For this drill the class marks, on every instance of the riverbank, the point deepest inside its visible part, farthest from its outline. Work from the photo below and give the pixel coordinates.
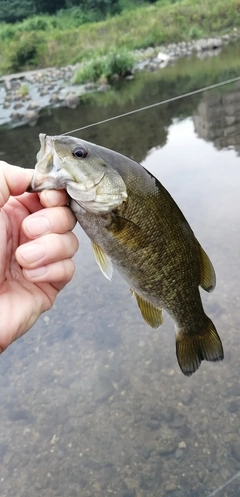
(24, 95)
(43, 41)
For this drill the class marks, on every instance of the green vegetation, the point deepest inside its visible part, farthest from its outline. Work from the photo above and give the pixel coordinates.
(117, 63)
(26, 51)
(24, 90)
(73, 35)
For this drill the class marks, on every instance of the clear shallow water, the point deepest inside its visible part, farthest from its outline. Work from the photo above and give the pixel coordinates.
(92, 400)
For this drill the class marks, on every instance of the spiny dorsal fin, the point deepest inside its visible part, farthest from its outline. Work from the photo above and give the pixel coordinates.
(103, 261)
(191, 349)
(208, 277)
(152, 315)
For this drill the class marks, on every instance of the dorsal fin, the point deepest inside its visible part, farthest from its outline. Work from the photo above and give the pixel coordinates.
(208, 276)
(103, 261)
(151, 314)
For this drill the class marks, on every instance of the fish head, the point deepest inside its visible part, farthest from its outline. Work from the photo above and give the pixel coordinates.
(66, 162)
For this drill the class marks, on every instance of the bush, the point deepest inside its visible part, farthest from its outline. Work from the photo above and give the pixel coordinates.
(116, 62)
(7, 31)
(91, 71)
(25, 51)
(119, 62)
(36, 23)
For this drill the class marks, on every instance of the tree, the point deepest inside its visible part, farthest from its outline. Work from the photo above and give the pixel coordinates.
(101, 6)
(16, 10)
(49, 6)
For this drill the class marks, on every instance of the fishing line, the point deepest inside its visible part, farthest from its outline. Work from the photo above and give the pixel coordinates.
(168, 100)
(224, 485)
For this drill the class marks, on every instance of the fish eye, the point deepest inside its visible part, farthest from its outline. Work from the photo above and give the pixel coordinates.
(79, 152)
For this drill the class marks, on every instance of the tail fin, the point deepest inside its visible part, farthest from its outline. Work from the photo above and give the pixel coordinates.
(192, 349)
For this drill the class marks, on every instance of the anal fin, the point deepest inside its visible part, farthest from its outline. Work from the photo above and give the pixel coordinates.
(103, 261)
(151, 314)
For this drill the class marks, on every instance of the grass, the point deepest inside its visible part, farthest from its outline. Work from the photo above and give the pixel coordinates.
(117, 63)
(24, 90)
(60, 41)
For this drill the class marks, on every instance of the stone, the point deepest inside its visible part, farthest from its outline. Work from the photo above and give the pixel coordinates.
(187, 398)
(178, 453)
(90, 86)
(32, 105)
(31, 117)
(104, 87)
(20, 415)
(18, 105)
(166, 446)
(178, 421)
(129, 493)
(72, 100)
(208, 44)
(54, 98)
(153, 424)
(235, 450)
(94, 464)
(170, 487)
(145, 481)
(148, 449)
(233, 406)
(182, 445)
(103, 389)
(16, 116)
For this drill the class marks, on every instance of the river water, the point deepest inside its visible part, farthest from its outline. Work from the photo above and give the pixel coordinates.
(92, 400)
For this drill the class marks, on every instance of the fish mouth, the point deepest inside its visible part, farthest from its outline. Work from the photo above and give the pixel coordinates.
(50, 174)
(40, 183)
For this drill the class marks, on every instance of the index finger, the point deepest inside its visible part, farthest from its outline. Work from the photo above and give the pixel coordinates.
(14, 181)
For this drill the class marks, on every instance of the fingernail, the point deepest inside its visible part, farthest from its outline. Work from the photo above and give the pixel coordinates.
(32, 253)
(35, 273)
(37, 225)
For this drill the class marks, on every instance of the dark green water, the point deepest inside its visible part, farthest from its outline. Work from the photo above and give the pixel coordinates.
(92, 400)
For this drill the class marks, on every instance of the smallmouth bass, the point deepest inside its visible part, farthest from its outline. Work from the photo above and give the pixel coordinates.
(134, 223)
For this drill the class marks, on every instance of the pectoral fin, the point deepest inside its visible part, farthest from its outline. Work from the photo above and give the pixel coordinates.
(208, 277)
(103, 261)
(152, 315)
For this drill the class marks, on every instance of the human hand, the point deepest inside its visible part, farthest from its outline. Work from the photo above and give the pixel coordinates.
(36, 247)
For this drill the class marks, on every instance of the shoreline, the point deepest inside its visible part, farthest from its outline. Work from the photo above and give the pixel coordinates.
(23, 95)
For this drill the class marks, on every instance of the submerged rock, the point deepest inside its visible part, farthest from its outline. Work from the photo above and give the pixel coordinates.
(103, 389)
(31, 117)
(72, 100)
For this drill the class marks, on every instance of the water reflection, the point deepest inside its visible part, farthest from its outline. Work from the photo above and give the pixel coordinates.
(92, 400)
(217, 118)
